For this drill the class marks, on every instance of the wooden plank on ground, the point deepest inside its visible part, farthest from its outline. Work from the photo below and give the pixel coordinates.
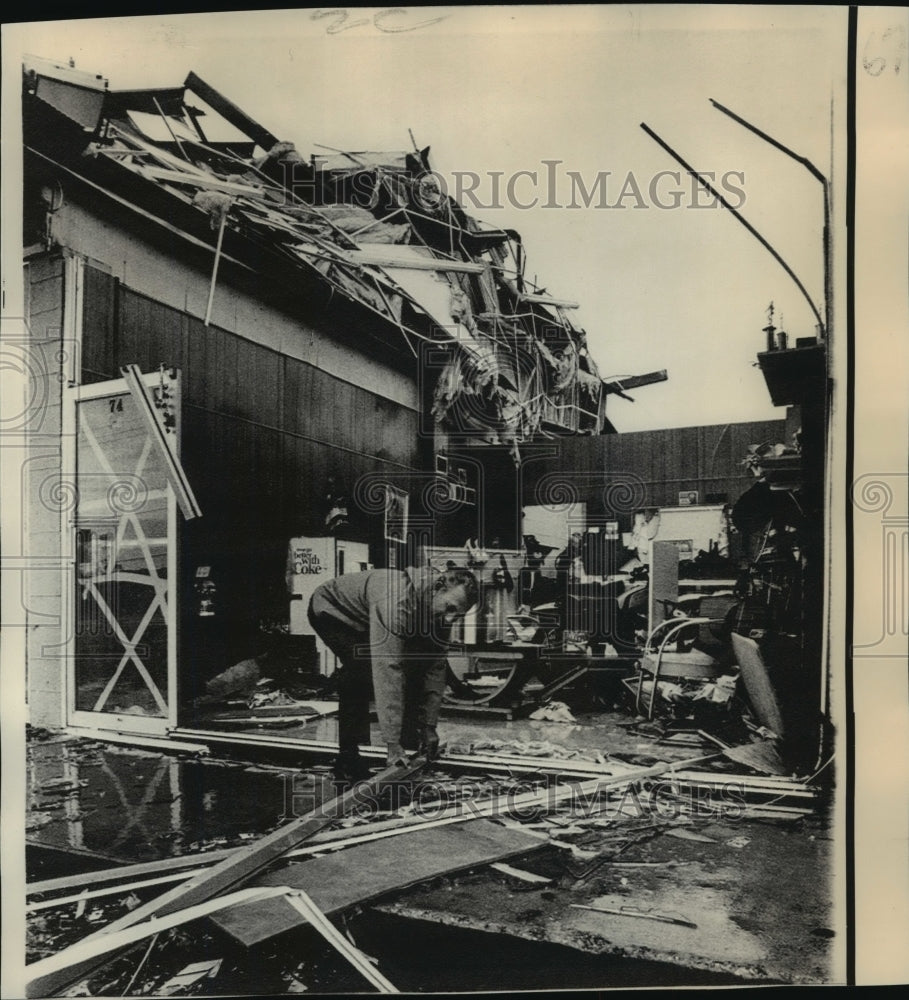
(363, 873)
(94, 949)
(310, 913)
(627, 772)
(236, 869)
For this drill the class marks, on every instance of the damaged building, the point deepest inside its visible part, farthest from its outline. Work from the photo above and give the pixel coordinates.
(252, 371)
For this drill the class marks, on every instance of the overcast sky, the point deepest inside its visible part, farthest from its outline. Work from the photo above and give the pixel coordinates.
(503, 89)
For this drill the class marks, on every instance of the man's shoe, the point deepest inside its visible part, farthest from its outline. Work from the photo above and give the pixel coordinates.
(349, 768)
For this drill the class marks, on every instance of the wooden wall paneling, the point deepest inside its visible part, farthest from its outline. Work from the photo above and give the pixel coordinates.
(269, 474)
(334, 413)
(127, 312)
(244, 361)
(365, 422)
(45, 290)
(387, 431)
(99, 319)
(296, 391)
(171, 338)
(197, 355)
(338, 413)
(272, 385)
(307, 377)
(317, 421)
(135, 345)
(258, 381)
(660, 468)
(231, 371)
(347, 415)
(666, 461)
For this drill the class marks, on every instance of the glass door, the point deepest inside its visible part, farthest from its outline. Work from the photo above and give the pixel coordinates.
(122, 651)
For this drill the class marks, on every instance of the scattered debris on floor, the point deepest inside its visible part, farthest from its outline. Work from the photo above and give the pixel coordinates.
(570, 836)
(555, 711)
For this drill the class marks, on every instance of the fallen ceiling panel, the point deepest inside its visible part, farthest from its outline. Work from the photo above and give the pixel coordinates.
(362, 873)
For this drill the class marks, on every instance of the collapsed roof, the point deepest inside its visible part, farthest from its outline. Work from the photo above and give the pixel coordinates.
(374, 227)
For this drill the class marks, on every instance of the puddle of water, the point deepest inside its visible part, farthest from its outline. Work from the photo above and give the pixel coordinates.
(137, 806)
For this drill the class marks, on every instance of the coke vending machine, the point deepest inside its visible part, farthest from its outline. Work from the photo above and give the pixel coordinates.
(310, 562)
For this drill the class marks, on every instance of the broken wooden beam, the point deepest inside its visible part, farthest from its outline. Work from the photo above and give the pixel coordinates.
(126, 876)
(207, 182)
(307, 909)
(520, 874)
(619, 385)
(336, 839)
(378, 258)
(546, 300)
(91, 950)
(237, 868)
(230, 112)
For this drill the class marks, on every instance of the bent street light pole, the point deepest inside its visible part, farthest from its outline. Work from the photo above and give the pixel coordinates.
(813, 170)
(741, 219)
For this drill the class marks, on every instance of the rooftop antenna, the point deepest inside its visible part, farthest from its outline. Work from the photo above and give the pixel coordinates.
(770, 329)
(741, 218)
(818, 176)
(416, 148)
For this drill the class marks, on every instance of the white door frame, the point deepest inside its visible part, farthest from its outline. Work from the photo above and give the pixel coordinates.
(138, 724)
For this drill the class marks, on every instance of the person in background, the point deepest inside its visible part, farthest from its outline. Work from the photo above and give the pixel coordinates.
(389, 630)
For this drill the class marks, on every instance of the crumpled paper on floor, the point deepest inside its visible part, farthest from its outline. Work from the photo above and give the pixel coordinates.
(555, 711)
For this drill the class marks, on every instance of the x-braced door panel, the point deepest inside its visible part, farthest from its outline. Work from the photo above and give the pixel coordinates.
(122, 669)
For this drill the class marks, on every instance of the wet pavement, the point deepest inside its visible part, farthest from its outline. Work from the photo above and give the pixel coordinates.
(759, 893)
(749, 901)
(130, 805)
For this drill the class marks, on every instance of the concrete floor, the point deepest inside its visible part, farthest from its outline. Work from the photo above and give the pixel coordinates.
(759, 892)
(761, 910)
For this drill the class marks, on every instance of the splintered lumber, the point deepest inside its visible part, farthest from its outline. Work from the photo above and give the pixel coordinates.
(611, 768)
(237, 868)
(206, 181)
(520, 874)
(130, 877)
(377, 867)
(366, 872)
(756, 784)
(546, 300)
(95, 947)
(230, 112)
(120, 889)
(635, 381)
(307, 909)
(329, 839)
(627, 911)
(125, 873)
(367, 255)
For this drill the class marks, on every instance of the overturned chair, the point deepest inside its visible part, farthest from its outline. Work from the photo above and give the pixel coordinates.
(660, 661)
